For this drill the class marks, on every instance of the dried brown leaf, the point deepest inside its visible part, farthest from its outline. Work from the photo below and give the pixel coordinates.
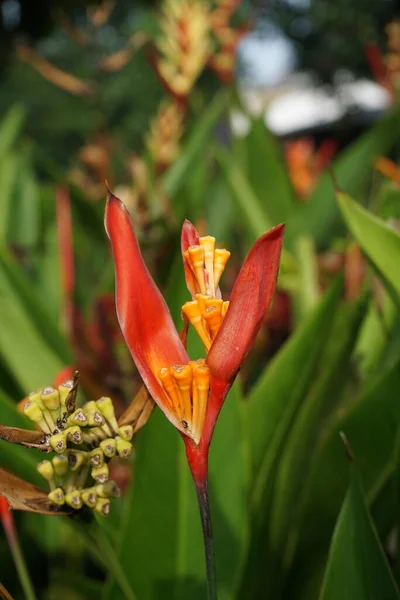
(70, 400)
(139, 411)
(22, 495)
(24, 437)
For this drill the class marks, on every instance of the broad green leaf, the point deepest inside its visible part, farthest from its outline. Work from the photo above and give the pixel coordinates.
(243, 194)
(25, 216)
(375, 334)
(10, 126)
(380, 242)
(8, 176)
(267, 173)
(274, 401)
(249, 205)
(357, 568)
(371, 424)
(16, 284)
(294, 461)
(319, 216)
(23, 344)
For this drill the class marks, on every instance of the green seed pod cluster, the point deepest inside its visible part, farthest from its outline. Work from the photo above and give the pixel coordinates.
(84, 441)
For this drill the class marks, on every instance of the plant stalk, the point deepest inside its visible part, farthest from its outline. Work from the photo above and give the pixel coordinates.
(20, 564)
(205, 516)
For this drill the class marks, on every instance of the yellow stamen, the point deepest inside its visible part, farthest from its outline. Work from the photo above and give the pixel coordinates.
(201, 385)
(208, 243)
(191, 310)
(183, 378)
(171, 389)
(196, 258)
(221, 257)
(212, 315)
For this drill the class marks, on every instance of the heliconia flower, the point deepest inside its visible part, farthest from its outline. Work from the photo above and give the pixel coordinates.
(191, 393)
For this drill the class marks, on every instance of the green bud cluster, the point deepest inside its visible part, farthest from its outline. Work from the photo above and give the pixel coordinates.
(83, 441)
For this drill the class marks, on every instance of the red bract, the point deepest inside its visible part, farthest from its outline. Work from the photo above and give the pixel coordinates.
(191, 393)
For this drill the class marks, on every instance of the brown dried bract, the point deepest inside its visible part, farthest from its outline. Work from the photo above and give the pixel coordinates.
(139, 411)
(24, 437)
(22, 495)
(70, 401)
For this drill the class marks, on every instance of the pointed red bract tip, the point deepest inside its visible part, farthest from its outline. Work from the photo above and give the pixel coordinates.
(143, 316)
(189, 237)
(250, 300)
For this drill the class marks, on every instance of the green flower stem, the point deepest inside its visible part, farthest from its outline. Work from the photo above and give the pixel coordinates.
(205, 515)
(20, 563)
(106, 553)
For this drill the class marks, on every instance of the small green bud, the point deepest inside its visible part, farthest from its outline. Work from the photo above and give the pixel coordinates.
(74, 434)
(36, 397)
(109, 447)
(51, 398)
(58, 442)
(89, 497)
(102, 507)
(124, 448)
(76, 458)
(96, 457)
(46, 470)
(107, 409)
(60, 464)
(100, 474)
(93, 415)
(73, 499)
(33, 412)
(57, 496)
(108, 490)
(126, 432)
(78, 417)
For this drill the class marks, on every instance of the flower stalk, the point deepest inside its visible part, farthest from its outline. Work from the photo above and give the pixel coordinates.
(13, 542)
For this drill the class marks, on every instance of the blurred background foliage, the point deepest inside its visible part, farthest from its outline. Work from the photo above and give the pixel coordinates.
(166, 103)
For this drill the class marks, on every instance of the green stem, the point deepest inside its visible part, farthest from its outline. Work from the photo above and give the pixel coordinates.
(20, 565)
(110, 559)
(205, 515)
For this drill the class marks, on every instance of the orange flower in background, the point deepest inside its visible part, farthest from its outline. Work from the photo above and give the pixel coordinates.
(305, 163)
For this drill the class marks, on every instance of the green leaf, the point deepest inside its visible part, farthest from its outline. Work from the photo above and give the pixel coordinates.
(8, 175)
(23, 344)
(174, 178)
(379, 242)
(16, 284)
(357, 568)
(281, 389)
(319, 216)
(371, 423)
(243, 194)
(267, 173)
(325, 393)
(10, 127)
